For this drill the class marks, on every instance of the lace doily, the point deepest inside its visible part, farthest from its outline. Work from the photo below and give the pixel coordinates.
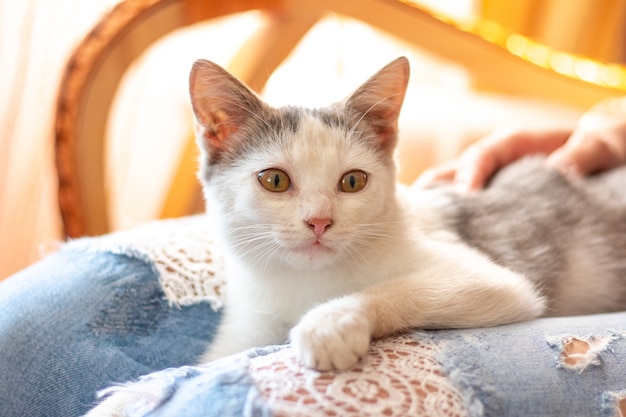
(399, 377)
(188, 261)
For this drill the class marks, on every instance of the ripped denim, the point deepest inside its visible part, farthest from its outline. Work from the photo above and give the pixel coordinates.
(80, 321)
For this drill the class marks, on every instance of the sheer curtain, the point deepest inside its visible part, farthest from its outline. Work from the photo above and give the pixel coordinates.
(36, 38)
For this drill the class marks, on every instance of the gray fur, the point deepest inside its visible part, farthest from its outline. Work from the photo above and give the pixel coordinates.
(534, 220)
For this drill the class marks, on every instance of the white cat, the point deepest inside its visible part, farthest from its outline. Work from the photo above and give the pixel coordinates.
(324, 248)
(327, 251)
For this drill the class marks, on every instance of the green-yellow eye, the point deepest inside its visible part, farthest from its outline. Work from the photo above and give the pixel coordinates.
(353, 181)
(274, 180)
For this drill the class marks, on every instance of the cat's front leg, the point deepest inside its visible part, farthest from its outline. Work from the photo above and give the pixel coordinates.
(456, 288)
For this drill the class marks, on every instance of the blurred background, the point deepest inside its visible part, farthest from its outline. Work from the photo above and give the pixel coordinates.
(455, 96)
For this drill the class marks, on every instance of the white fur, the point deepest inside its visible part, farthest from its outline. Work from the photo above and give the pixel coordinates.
(380, 270)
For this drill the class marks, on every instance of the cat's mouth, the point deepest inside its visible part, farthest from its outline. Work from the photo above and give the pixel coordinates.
(313, 248)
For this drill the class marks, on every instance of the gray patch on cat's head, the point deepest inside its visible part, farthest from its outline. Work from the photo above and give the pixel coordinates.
(267, 127)
(330, 117)
(356, 129)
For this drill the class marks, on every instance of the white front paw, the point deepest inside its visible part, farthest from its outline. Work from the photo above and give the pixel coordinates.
(334, 335)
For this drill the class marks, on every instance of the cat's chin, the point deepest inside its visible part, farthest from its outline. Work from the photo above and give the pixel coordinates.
(313, 256)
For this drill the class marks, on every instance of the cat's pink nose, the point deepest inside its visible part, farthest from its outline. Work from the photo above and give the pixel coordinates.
(319, 226)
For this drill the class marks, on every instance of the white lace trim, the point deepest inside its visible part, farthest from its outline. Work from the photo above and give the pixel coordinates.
(189, 263)
(399, 377)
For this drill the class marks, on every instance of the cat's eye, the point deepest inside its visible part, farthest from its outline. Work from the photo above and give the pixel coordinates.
(274, 180)
(353, 181)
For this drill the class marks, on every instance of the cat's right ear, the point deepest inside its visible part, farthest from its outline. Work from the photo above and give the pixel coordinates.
(379, 100)
(221, 103)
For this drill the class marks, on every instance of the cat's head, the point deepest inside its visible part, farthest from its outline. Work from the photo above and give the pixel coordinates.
(300, 187)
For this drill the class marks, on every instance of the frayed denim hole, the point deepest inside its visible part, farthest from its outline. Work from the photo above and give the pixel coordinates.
(134, 307)
(577, 353)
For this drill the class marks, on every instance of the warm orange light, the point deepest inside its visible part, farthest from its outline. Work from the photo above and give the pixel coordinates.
(571, 65)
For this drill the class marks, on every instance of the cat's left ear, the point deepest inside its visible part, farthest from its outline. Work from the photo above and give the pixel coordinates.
(379, 100)
(221, 103)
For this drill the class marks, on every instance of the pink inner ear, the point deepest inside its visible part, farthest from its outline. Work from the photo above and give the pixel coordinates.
(217, 137)
(218, 129)
(388, 135)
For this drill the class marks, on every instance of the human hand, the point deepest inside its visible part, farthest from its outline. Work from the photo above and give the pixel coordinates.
(482, 159)
(597, 143)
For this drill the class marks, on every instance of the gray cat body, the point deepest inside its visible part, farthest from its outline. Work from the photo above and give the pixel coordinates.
(565, 234)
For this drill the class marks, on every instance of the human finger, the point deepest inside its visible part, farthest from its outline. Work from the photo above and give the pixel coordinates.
(589, 152)
(481, 160)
